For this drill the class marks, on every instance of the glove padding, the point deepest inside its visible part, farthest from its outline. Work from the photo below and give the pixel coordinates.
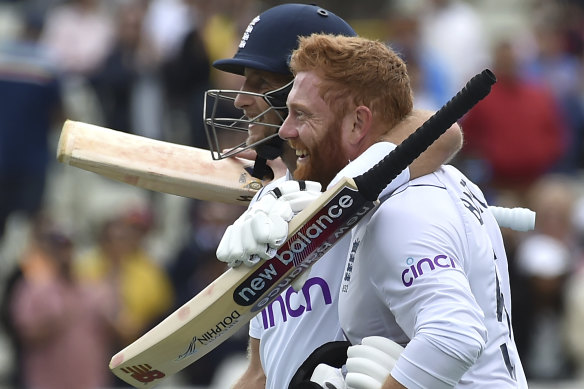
(328, 377)
(298, 194)
(263, 228)
(369, 363)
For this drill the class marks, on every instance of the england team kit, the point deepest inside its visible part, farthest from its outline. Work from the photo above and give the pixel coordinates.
(428, 270)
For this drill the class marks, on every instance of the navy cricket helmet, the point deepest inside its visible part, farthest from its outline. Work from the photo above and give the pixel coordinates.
(270, 37)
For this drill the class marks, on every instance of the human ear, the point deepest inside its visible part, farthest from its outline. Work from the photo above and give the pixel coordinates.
(361, 118)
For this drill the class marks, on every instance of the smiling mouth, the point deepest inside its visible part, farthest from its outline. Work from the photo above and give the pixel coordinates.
(254, 125)
(301, 154)
(256, 131)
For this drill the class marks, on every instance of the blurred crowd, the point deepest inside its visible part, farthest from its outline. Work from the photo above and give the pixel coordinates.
(87, 265)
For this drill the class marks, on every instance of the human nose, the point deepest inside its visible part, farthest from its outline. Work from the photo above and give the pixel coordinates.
(287, 129)
(242, 100)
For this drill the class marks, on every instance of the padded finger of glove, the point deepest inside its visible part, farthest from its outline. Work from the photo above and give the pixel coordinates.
(386, 345)
(298, 194)
(361, 381)
(265, 231)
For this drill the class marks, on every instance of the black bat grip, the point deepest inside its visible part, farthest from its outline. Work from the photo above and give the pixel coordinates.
(372, 182)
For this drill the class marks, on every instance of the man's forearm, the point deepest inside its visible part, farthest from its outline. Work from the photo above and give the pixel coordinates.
(439, 153)
(254, 376)
(391, 383)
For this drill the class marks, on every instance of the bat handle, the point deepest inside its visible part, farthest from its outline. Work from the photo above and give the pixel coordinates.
(373, 181)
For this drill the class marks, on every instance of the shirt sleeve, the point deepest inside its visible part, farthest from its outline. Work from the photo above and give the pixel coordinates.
(255, 327)
(426, 366)
(418, 269)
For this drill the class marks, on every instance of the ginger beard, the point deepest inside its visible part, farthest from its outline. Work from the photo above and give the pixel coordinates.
(325, 159)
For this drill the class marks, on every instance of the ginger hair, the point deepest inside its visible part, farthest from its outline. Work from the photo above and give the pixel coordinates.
(357, 71)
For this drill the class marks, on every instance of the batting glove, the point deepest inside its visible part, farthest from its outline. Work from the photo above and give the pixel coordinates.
(327, 377)
(518, 219)
(298, 194)
(263, 228)
(369, 363)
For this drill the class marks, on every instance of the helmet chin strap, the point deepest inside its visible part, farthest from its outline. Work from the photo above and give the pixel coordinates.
(271, 150)
(261, 170)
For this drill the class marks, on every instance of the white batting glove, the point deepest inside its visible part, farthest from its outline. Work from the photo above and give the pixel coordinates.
(298, 193)
(328, 377)
(299, 198)
(253, 235)
(369, 363)
(263, 228)
(518, 219)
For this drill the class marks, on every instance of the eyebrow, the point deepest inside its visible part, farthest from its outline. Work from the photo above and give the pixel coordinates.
(296, 105)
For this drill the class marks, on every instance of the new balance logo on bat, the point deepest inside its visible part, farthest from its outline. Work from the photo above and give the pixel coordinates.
(143, 373)
(302, 249)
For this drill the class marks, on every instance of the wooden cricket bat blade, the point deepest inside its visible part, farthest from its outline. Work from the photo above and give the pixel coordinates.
(233, 299)
(157, 165)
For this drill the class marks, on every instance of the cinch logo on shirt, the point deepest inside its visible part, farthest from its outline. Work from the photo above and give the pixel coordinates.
(285, 306)
(416, 270)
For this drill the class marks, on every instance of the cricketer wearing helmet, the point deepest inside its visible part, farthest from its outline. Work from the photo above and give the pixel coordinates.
(284, 334)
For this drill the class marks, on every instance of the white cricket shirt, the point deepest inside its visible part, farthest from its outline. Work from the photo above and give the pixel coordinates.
(428, 269)
(296, 323)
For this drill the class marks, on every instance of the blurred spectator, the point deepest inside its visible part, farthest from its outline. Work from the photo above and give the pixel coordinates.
(11, 278)
(186, 77)
(196, 265)
(574, 301)
(63, 327)
(130, 57)
(120, 259)
(31, 105)
(166, 24)
(194, 268)
(544, 261)
(574, 309)
(224, 22)
(516, 133)
(562, 72)
(453, 31)
(79, 34)
(428, 75)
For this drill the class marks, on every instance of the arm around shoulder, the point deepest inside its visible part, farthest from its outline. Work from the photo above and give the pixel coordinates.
(439, 153)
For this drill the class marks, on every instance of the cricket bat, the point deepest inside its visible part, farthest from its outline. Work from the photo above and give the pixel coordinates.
(157, 165)
(232, 300)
